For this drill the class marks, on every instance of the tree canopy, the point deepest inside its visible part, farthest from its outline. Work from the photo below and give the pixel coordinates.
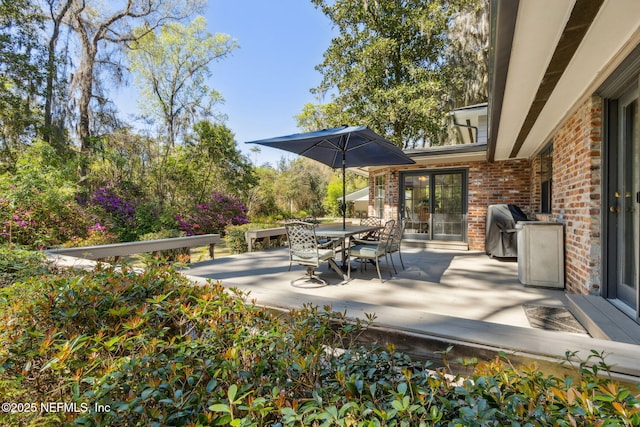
(390, 68)
(171, 66)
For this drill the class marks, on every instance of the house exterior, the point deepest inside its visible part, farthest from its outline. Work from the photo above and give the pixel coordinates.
(562, 143)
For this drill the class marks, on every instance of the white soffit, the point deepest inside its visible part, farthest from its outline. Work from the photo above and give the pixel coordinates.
(538, 28)
(612, 29)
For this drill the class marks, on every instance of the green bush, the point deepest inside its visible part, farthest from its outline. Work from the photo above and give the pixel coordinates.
(17, 264)
(152, 349)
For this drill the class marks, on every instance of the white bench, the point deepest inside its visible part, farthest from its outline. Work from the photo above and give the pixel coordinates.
(130, 248)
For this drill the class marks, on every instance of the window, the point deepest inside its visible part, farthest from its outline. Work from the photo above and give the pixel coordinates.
(378, 196)
(546, 179)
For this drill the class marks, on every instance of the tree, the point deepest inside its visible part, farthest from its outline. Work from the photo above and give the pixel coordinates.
(388, 66)
(317, 116)
(171, 67)
(102, 27)
(57, 13)
(468, 55)
(334, 190)
(217, 161)
(20, 77)
(301, 186)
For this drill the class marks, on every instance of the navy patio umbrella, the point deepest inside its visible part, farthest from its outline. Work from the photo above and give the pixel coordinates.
(344, 147)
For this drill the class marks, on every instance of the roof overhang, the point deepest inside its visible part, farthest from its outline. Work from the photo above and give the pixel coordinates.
(446, 154)
(546, 56)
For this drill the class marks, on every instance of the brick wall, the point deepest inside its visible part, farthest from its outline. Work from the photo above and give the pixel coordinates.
(495, 183)
(577, 195)
(576, 190)
(489, 183)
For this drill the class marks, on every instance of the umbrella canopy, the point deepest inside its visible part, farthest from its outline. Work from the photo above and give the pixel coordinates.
(343, 147)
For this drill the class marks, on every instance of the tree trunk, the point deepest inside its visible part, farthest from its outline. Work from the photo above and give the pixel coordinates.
(52, 71)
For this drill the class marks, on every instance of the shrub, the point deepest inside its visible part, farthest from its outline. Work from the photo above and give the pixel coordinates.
(213, 216)
(152, 349)
(97, 235)
(18, 264)
(41, 224)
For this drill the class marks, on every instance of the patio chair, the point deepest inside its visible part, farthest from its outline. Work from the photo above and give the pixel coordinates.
(371, 236)
(396, 242)
(305, 251)
(373, 251)
(416, 223)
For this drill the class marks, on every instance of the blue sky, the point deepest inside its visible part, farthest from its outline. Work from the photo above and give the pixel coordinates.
(266, 81)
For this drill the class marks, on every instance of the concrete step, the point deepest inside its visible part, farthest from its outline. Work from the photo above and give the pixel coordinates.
(602, 319)
(437, 244)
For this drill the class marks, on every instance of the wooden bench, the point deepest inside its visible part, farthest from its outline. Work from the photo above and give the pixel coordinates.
(130, 248)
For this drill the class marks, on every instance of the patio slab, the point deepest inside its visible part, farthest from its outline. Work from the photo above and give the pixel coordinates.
(467, 285)
(444, 297)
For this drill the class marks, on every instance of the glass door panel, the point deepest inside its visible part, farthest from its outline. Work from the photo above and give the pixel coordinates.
(416, 206)
(448, 210)
(434, 205)
(626, 209)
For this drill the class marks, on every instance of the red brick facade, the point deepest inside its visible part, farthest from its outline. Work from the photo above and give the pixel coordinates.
(576, 200)
(577, 194)
(489, 183)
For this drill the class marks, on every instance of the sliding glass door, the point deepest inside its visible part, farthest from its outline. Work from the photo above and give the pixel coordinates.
(624, 196)
(434, 205)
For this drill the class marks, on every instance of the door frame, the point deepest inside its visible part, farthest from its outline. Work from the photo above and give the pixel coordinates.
(610, 185)
(432, 173)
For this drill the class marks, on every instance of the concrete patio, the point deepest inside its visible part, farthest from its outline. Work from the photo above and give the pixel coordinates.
(442, 297)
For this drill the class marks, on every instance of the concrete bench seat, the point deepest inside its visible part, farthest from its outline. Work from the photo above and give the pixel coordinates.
(251, 236)
(266, 234)
(130, 248)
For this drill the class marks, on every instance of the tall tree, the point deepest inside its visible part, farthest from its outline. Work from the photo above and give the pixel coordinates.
(58, 10)
(388, 67)
(468, 55)
(171, 66)
(20, 76)
(112, 26)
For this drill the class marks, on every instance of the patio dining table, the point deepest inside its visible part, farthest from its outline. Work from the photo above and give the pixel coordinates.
(344, 234)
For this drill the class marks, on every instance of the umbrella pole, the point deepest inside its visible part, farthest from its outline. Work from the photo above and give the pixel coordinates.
(344, 191)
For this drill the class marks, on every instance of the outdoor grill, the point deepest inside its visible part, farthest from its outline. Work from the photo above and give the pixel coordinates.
(501, 240)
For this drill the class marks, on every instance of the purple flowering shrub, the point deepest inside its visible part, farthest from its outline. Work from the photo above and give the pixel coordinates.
(213, 215)
(124, 209)
(121, 211)
(97, 234)
(41, 225)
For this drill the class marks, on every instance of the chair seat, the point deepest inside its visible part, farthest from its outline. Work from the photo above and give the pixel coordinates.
(366, 251)
(311, 258)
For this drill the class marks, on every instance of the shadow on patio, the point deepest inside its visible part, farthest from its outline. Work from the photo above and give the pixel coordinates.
(442, 298)
(467, 285)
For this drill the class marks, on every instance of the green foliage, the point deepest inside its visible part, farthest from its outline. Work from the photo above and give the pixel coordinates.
(215, 157)
(152, 349)
(97, 235)
(334, 191)
(263, 198)
(301, 186)
(171, 66)
(389, 68)
(21, 77)
(17, 264)
(37, 206)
